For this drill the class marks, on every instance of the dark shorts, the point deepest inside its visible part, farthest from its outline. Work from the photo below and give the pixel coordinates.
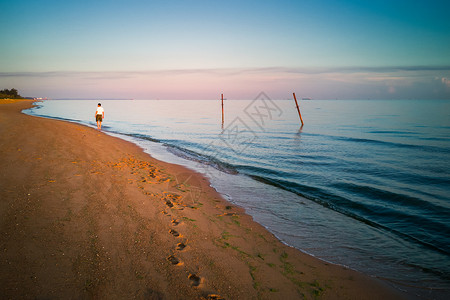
(98, 118)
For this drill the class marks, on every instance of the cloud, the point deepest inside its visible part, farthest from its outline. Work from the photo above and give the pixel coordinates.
(239, 83)
(349, 70)
(231, 71)
(77, 74)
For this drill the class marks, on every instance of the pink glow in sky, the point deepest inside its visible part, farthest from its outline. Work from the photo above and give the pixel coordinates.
(279, 83)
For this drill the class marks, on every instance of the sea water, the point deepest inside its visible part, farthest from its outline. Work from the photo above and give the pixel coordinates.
(364, 183)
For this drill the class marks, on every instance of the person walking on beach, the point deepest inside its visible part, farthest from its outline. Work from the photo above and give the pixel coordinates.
(99, 116)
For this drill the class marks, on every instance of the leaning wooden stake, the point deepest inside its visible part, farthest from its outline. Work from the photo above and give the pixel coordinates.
(298, 109)
(222, 109)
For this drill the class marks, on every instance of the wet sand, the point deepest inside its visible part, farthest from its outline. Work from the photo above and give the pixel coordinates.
(87, 215)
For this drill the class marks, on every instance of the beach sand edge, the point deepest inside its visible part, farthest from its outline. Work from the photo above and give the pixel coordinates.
(87, 215)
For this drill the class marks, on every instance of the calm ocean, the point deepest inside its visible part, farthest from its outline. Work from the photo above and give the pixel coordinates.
(364, 184)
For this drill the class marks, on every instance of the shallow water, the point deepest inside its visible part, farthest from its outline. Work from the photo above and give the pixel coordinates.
(362, 183)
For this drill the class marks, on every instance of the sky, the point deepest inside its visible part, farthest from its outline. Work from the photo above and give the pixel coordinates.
(142, 49)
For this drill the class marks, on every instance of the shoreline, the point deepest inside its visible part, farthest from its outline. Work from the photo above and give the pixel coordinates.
(91, 215)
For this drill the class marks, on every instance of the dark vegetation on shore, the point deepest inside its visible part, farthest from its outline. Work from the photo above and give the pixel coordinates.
(10, 94)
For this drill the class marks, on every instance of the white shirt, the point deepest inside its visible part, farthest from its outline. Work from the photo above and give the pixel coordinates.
(100, 110)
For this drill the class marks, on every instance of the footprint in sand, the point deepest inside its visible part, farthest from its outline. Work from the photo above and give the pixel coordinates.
(214, 297)
(173, 260)
(181, 246)
(175, 222)
(174, 233)
(195, 280)
(169, 203)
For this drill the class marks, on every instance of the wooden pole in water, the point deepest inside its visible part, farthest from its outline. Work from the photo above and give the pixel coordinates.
(298, 109)
(222, 109)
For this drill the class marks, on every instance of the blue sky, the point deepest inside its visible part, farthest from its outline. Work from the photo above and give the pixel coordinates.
(199, 49)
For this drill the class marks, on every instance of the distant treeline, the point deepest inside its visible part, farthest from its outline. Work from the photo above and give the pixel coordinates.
(10, 94)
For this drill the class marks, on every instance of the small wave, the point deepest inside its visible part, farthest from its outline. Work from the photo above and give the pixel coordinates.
(349, 208)
(141, 136)
(402, 201)
(427, 148)
(384, 143)
(394, 132)
(191, 155)
(58, 118)
(201, 158)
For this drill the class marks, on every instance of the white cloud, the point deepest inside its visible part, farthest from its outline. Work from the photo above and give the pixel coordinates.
(239, 83)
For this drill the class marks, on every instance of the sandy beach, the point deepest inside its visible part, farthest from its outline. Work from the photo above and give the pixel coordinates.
(87, 215)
